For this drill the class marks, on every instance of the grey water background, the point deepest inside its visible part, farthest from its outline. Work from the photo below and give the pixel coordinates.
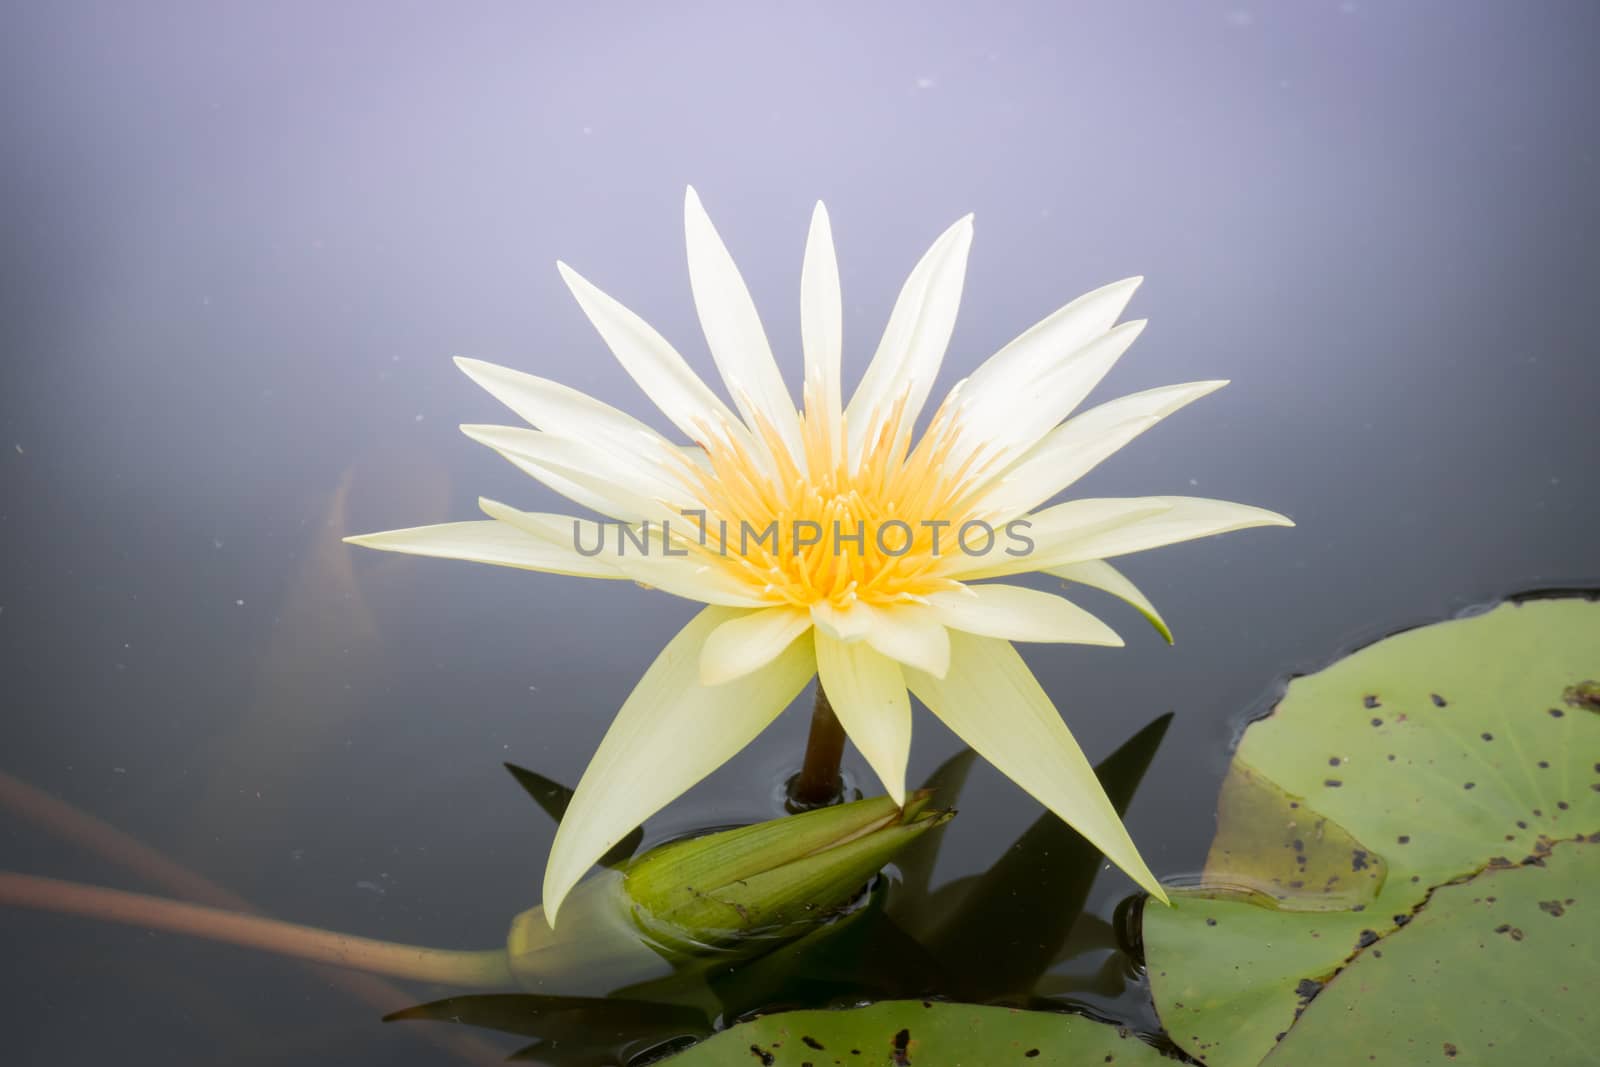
(241, 242)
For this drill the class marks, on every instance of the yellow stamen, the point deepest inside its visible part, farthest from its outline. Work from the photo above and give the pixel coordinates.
(753, 482)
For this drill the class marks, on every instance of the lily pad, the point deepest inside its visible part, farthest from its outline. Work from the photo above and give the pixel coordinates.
(1500, 969)
(906, 1033)
(1270, 843)
(1418, 761)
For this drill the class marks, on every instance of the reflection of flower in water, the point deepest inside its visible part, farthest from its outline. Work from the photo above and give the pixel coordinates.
(827, 541)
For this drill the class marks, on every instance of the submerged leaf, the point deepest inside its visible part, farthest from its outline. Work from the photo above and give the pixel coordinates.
(1272, 843)
(1014, 919)
(944, 788)
(557, 1018)
(554, 797)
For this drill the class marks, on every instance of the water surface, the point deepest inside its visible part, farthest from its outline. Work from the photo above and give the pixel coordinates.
(240, 246)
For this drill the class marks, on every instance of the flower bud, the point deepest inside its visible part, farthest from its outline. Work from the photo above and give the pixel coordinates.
(756, 885)
(736, 892)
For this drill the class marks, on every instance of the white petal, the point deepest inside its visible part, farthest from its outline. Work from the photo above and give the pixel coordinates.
(1007, 424)
(912, 634)
(750, 641)
(1026, 359)
(696, 455)
(1074, 448)
(993, 703)
(488, 542)
(849, 623)
(671, 732)
(571, 413)
(822, 328)
(562, 530)
(914, 341)
(679, 572)
(647, 357)
(1015, 613)
(614, 484)
(1034, 542)
(868, 694)
(1183, 518)
(603, 502)
(733, 331)
(1098, 574)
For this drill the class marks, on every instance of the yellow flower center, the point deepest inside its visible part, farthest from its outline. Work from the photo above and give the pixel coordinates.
(880, 530)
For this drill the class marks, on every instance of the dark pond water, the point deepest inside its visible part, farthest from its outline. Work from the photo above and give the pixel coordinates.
(241, 244)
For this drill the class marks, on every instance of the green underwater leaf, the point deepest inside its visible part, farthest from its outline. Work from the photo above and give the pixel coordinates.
(555, 1018)
(1426, 759)
(553, 798)
(1009, 923)
(1271, 843)
(902, 1033)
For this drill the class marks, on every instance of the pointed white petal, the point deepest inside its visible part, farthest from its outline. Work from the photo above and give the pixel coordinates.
(734, 333)
(911, 634)
(1015, 613)
(868, 694)
(1183, 518)
(624, 487)
(647, 357)
(488, 542)
(563, 530)
(822, 327)
(750, 641)
(1026, 359)
(569, 412)
(914, 341)
(1007, 424)
(1078, 445)
(670, 733)
(603, 502)
(1036, 541)
(993, 703)
(680, 571)
(1098, 574)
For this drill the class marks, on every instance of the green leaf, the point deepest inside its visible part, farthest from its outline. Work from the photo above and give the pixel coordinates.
(558, 1018)
(901, 1033)
(944, 788)
(554, 797)
(1413, 763)
(1498, 969)
(1271, 843)
(1012, 921)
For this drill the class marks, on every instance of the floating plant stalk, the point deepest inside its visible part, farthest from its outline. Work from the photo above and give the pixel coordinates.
(732, 893)
(486, 969)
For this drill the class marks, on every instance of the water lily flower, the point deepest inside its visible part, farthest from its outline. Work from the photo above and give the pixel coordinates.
(826, 541)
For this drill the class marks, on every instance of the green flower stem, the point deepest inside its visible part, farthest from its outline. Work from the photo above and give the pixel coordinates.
(487, 969)
(818, 784)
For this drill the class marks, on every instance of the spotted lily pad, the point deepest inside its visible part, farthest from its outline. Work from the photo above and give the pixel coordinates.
(1422, 760)
(906, 1033)
(1500, 968)
(1271, 843)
